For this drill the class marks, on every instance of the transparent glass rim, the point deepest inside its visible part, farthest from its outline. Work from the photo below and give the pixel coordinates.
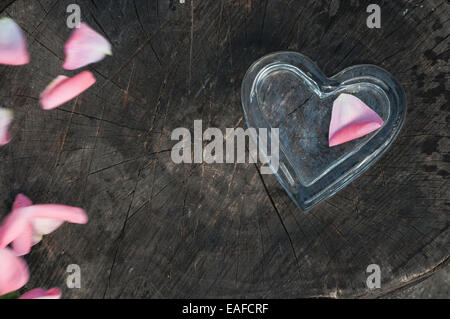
(353, 164)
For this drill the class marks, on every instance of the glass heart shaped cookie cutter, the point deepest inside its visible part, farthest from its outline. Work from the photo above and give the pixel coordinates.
(286, 90)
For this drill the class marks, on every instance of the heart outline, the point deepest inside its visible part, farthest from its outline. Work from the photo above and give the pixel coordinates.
(354, 163)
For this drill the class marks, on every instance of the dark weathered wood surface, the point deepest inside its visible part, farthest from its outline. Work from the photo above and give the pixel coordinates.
(158, 229)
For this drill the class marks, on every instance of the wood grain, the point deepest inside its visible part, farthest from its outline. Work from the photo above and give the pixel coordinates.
(161, 230)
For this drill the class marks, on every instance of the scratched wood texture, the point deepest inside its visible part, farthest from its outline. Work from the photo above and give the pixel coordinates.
(160, 230)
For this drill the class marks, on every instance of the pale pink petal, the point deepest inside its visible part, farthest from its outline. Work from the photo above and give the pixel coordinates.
(14, 225)
(58, 212)
(22, 244)
(24, 238)
(351, 118)
(26, 225)
(63, 89)
(21, 201)
(58, 80)
(45, 226)
(13, 272)
(56, 215)
(13, 45)
(6, 117)
(39, 293)
(85, 46)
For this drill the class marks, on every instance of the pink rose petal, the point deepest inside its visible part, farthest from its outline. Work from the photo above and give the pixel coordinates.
(13, 46)
(21, 201)
(39, 293)
(45, 226)
(13, 272)
(58, 80)
(63, 89)
(351, 118)
(15, 225)
(85, 46)
(64, 213)
(26, 225)
(24, 240)
(6, 117)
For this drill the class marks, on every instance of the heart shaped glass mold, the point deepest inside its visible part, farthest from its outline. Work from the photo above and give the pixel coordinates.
(286, 90)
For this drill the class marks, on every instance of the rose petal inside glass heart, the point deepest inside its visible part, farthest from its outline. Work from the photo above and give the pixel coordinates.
(351, 118)
(293, 103)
